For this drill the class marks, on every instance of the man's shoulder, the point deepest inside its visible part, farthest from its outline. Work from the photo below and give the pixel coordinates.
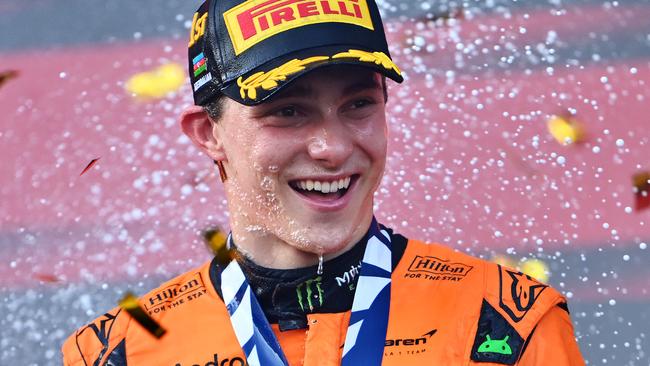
(505, 287)
(506, 303)
(435, 256)
(438, 258)
(103, 339)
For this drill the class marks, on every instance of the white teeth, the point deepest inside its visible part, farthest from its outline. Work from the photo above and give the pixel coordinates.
(345, 183)
(324, 187)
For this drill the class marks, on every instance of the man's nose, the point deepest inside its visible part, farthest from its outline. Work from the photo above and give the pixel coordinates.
(331, 143)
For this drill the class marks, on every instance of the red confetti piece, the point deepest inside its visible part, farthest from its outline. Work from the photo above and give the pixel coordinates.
(5, 76)
(90, 165)
(642, 190)
(44, 277)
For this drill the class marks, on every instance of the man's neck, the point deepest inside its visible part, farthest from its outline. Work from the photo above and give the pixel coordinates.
(267, 250)
(288, 295)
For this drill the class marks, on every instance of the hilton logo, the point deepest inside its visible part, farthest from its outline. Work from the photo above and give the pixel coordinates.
(437, 269)
(175, 295)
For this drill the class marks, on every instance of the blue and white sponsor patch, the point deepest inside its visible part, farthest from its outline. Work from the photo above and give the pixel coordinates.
(202, 81)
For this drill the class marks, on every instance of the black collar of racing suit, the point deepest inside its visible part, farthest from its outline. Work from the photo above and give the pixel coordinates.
(287, 296)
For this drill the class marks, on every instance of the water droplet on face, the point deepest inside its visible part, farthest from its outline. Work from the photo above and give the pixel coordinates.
(317, 146)
(320, 265)
(267, 184)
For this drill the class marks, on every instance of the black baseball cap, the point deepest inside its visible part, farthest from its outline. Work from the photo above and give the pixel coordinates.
(251, 49)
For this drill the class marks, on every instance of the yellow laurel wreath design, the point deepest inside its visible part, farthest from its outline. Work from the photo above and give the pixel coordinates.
(378, 58)
(269, 80)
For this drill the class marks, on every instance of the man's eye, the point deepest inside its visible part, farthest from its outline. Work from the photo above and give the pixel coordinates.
(361, 103)
(289, 111)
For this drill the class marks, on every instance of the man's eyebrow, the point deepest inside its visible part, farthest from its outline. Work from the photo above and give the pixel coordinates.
(361, 86)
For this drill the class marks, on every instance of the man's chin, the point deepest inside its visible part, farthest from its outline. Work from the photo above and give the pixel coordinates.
(327, 238)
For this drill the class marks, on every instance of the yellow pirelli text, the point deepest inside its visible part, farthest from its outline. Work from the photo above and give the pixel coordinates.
(198, 28)
(256, 20)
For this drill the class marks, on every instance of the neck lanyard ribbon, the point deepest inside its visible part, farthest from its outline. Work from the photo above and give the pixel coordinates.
(366, 334)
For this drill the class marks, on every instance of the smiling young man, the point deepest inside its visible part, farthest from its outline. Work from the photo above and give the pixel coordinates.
(302, 167)
(290, 104)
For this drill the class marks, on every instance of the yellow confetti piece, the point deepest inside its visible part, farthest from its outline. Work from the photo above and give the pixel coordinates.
(158, 82)
(566, 130)
(535, 268)
(504, 261)
(131, 305)
(216, 241)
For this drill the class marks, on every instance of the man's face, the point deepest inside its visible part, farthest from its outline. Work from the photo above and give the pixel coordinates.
(303, 167)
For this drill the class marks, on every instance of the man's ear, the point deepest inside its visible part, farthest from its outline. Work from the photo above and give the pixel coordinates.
(196, 124)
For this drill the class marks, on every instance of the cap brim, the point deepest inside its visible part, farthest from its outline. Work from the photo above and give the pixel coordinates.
(264, 81)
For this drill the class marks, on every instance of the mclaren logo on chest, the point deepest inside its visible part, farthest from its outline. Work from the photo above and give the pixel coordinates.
(410, 341)
(256, 20)
(407, 346)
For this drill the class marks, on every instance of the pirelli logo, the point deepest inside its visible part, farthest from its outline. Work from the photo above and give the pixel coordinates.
(256, 20)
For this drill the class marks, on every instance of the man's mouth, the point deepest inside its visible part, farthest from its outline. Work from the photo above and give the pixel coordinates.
(324, 189)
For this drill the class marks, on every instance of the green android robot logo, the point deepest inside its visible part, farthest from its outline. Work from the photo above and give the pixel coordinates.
(500, 346)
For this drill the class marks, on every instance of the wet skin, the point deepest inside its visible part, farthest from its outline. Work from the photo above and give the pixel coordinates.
(329, 125)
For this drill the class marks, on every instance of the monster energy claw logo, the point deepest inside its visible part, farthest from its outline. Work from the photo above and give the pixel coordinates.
(312, 292)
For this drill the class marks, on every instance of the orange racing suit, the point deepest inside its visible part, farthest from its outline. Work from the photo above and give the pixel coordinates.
(446, 308)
